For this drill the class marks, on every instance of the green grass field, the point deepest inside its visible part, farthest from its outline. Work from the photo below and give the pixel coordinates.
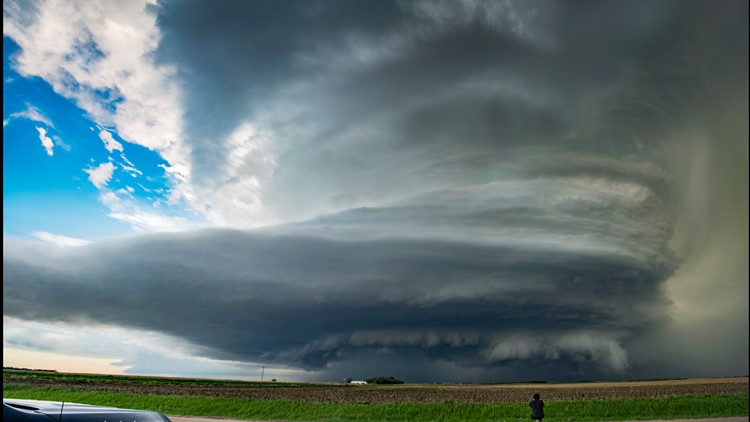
(593, 410)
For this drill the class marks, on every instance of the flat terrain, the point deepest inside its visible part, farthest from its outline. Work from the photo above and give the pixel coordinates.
(322, 393)
(193, 419)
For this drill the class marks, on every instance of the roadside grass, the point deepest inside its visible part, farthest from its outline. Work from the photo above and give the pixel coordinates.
(691, 407)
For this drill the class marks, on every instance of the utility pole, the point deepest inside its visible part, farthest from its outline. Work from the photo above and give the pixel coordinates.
(262, 372)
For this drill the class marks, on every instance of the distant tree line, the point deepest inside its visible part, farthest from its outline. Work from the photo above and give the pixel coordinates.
(384, 380)
(13, 368)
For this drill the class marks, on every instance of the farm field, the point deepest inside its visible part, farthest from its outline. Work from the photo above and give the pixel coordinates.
(644, 400)
(412, 393)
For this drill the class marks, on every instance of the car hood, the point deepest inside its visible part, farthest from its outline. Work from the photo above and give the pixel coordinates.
(75, 412)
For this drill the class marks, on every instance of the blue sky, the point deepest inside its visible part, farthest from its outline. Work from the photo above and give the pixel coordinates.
(49, 190)
(472, 190)
(35, 183)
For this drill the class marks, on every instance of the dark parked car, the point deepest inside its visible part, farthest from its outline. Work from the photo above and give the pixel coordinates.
(16, 410)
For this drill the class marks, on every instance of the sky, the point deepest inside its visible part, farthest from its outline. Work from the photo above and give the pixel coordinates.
(436, 190)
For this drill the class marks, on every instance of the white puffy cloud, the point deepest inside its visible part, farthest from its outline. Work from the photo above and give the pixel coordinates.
(80, 47)
(109, 142)
(101, 174)
(46, 141)
(100, 54)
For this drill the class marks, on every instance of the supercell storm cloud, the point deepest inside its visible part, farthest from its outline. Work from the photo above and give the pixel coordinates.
(483, 274)
(492, 189)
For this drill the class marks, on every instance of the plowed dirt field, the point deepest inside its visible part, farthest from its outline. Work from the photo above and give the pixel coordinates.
(513, 393)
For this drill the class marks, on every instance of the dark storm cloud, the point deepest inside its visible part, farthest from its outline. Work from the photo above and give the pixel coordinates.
(236, 54)
(481, 277)
(236, 69)
(587, 128)
(397, 94)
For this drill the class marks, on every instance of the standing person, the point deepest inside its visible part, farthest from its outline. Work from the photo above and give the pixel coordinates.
(537, 408)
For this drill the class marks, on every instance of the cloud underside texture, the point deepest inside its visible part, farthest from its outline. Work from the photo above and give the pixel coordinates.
(400, 278)
(492, 184)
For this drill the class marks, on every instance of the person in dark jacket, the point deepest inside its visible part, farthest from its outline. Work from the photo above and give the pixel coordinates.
(537, 408)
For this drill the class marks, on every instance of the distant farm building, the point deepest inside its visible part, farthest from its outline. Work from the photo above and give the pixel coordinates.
(358, 382)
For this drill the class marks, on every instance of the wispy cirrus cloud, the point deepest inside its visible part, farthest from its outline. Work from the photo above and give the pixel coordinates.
(31, 113)
(59, 240)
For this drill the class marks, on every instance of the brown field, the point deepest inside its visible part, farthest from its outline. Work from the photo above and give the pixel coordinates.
(417, 393)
